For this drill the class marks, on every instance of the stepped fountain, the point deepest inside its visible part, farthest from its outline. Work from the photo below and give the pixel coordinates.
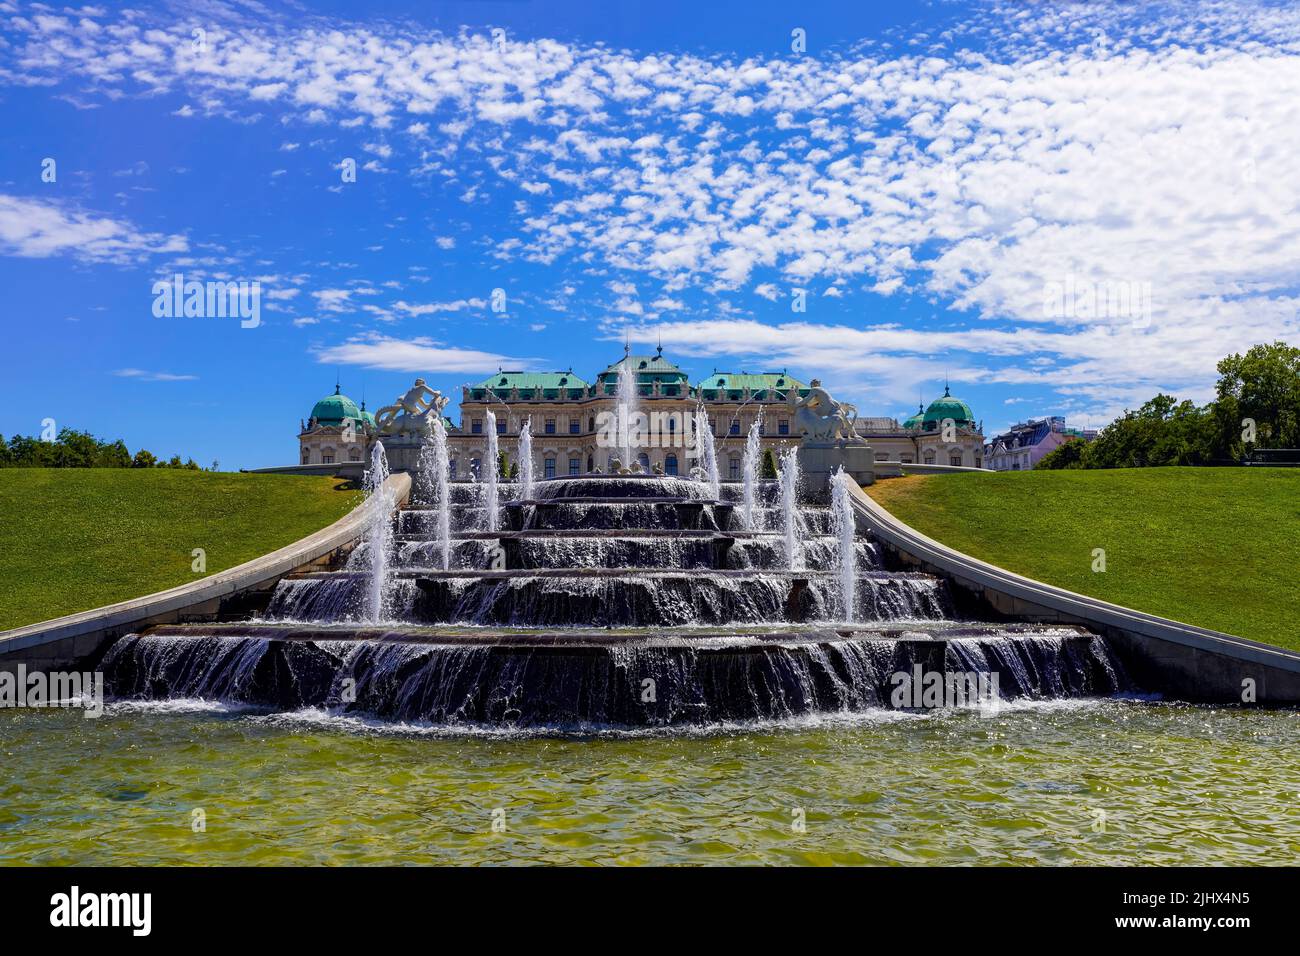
(558, 607)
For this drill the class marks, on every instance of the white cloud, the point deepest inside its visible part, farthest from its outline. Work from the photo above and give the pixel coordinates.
(38, 229)
(145, 376)
(414, 355)
(1115, 145)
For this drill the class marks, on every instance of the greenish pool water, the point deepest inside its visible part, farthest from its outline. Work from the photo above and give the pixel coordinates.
(1175, 784)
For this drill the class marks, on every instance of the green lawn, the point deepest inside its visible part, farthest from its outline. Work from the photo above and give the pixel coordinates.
(1216, 547)
(76, 538)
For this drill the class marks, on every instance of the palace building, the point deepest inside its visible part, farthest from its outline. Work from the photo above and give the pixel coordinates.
(569, 431)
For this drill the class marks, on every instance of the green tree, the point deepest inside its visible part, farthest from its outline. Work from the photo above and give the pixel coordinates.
(1263, 387)
(115, 455)
(1071, 454)
(144, 459)
(767, 469)
(74, 449)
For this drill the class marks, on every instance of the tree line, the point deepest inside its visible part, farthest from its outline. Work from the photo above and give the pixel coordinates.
(77, 449)
(1256, 405)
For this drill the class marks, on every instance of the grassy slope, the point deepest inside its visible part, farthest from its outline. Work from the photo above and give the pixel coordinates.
(1208, 546)
(76, 538)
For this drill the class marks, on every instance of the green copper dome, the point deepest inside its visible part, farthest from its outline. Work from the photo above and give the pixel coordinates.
(947, 407)
(332, 409)
(915, 420)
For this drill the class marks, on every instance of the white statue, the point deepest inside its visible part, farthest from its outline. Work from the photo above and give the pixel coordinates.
(818, 417)
(413, 411)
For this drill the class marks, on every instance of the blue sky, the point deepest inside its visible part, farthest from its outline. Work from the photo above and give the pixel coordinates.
(1060, 208)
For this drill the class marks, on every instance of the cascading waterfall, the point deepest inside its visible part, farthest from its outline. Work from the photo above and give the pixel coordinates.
(526, 461)
(626, 409)
(753, 449)
(706, 452)
(598, 583)
(789, 475)
(491, 518)
(845, 528)
(379, 532)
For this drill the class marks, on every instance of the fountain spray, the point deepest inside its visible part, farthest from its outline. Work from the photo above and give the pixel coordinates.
(493, 467)
(626, 409)
(753, 448)
(442, 483)
(789, 474)
(705, 451)
(526, 461)
(844, 527)
(379, 532)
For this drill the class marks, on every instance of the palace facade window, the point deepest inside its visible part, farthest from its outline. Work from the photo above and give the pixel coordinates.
(550, 426)
(548, 467)
(783, 426)
(476, 427)
(575, 466)
(670, 465)
(575, 426)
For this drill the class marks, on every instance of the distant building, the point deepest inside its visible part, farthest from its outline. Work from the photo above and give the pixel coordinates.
(337, 431)
(1021, 448)
(943, 433)
(564, 415)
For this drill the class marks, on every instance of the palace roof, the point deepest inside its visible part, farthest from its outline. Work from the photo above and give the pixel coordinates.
(733, 384)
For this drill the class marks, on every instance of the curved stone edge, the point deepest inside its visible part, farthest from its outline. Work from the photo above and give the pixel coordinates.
(1165, 656)
(63, 641)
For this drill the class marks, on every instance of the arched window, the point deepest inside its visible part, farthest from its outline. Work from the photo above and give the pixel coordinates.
(354, 453)
(670, 464)
(644, 459)
(733, 469)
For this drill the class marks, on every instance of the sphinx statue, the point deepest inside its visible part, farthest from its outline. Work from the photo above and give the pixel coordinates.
(819, 418)
(413, 412)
